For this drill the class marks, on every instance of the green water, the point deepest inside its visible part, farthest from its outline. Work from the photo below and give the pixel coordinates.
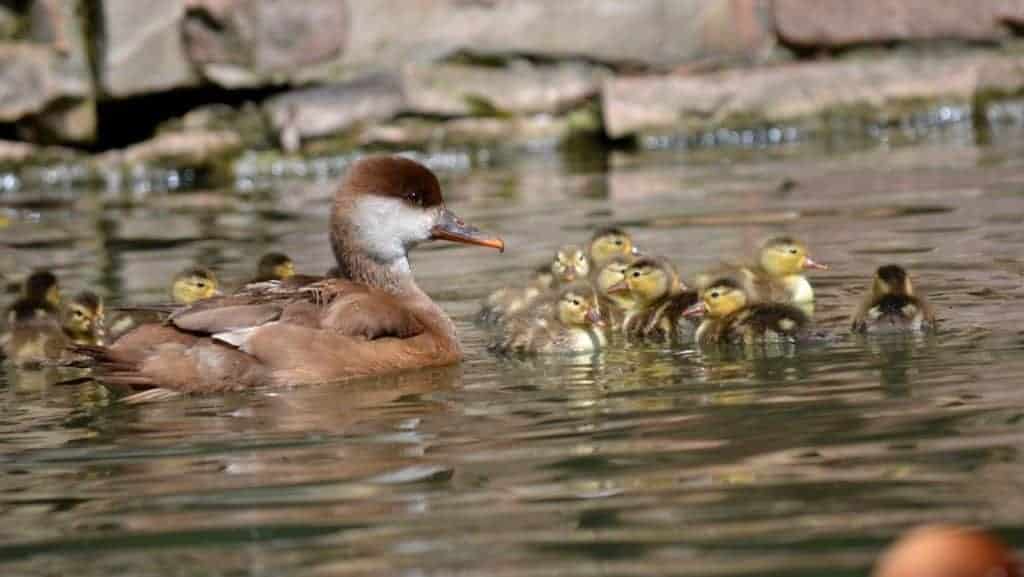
(644, 461)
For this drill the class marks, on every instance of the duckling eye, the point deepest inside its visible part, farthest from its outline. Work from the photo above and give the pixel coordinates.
(636, 274)
(793, 251)
(414, 197)
(714, 295)
(575, 302)
(618, 242)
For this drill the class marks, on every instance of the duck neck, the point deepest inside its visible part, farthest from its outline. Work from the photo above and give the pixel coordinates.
(394, 277)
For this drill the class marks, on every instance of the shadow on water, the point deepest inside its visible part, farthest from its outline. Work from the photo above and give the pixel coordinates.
(642, 460)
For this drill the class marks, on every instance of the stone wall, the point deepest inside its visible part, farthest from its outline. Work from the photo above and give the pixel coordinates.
(413, 71)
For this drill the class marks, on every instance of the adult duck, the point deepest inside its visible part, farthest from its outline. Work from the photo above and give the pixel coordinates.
(375, 320)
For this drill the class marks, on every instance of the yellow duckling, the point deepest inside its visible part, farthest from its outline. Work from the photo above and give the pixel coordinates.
(608, 244)
(891, 306)
(194, 284)
(659, 298)
(730, 317)
(778, 275)
(274, 266)
(189, 286)
(614, 305)
(40, 298)
(569, 264)
(574, 327)
(33, 342)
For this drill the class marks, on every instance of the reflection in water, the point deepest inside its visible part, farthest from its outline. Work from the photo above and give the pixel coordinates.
(643, 460)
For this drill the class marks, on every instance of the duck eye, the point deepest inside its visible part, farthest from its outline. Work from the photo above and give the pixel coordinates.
(792, 251)
(414, 197)
(618, 242)
(575, 302)
(714, 295)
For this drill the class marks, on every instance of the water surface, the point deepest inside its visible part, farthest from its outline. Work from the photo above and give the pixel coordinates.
(645, 461)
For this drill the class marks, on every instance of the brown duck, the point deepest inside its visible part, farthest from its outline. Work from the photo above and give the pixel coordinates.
(374, 321)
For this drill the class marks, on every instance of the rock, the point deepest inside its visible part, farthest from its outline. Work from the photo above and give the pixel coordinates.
(14, 153)
(60, 24)
(459, 90)
(332, 109)
(800, 92)
(837, 23)
(245, 42)
(141, 49)
(526, 132)
(659, 33)
(32, 77)
(185, 148)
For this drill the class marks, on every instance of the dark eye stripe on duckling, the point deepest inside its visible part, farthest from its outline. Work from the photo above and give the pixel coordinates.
(396, 177)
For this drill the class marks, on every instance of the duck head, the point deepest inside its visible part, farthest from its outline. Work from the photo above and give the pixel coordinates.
(647, 279)
(570, 264)
(82, 318)
(41, 287)
(722, 298)
(275, 266)
(610, 243)
(611, 275)
(784, 256)
(194, 284)
(388, 204)
(891, 280)
(577, 307)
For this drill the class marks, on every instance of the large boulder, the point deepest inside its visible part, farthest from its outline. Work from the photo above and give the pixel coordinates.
(459, 90)
(250, 42)
(659, 33)
(837, 23)
(60, 24)
(141, 48)
(800, 93)
(32, 77)
(332, 109)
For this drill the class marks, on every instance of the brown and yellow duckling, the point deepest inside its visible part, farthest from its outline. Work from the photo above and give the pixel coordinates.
(574, 326)
(40, 298)
(777, 276)
(37, 341)
(892, 306)
(658, 301)
(188, 287)
(274, 266)
(614, 305)
(731, 317)
(608, 244)
(569, 264)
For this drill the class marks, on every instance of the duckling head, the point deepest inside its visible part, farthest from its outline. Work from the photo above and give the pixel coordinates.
(275, 266)
(82, 318)
(571, 263)
(784, 256)
(611, 275)
(194, 284)
(722, 298)
(891, 280)
(577, 307)
(648, 280)
(610, 243)
(41, 287)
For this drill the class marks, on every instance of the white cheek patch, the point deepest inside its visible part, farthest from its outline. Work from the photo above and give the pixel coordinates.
(386, 227)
